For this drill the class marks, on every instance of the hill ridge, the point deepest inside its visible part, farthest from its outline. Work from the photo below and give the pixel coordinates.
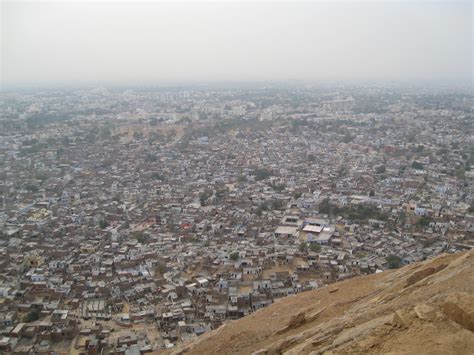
(426, 307)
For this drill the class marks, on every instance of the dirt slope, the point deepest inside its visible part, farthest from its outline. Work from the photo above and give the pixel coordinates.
(424, 308)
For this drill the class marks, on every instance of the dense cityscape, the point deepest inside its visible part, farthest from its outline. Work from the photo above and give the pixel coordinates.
(136, 219)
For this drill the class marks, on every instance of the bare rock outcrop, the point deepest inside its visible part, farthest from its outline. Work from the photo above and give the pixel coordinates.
(460, 309)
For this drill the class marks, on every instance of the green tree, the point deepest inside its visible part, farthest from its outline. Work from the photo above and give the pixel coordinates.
(139, 236)
(402, 218)
(471, 208)
(150, 158)
(380, 169)
(105, 132)
(241, 178)
(460, 173)
(157, 176)
(343, 171)
(262, 174)
(31, 187)
(32, 315)
(137, 135)
(103, 224)
(424, 222)
(315, 247)
(204, 196)
(419, 148)
(278, 187)
(303, 247)
(394, 261)
(277, 205)
(325, 206)
(347, 138)
(65, 140)
(234, 256)
(160, 268)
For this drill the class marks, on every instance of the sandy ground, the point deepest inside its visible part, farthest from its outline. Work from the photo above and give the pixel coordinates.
(424, 308)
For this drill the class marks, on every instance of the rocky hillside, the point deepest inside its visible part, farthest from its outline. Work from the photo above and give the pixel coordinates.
(424, 308)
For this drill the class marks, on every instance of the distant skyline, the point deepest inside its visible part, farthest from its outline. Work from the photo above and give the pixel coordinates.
(67, 43)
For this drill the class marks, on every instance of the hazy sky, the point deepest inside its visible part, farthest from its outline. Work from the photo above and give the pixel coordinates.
(78, 42)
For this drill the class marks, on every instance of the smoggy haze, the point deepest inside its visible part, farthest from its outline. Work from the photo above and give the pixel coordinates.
(45, 42)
